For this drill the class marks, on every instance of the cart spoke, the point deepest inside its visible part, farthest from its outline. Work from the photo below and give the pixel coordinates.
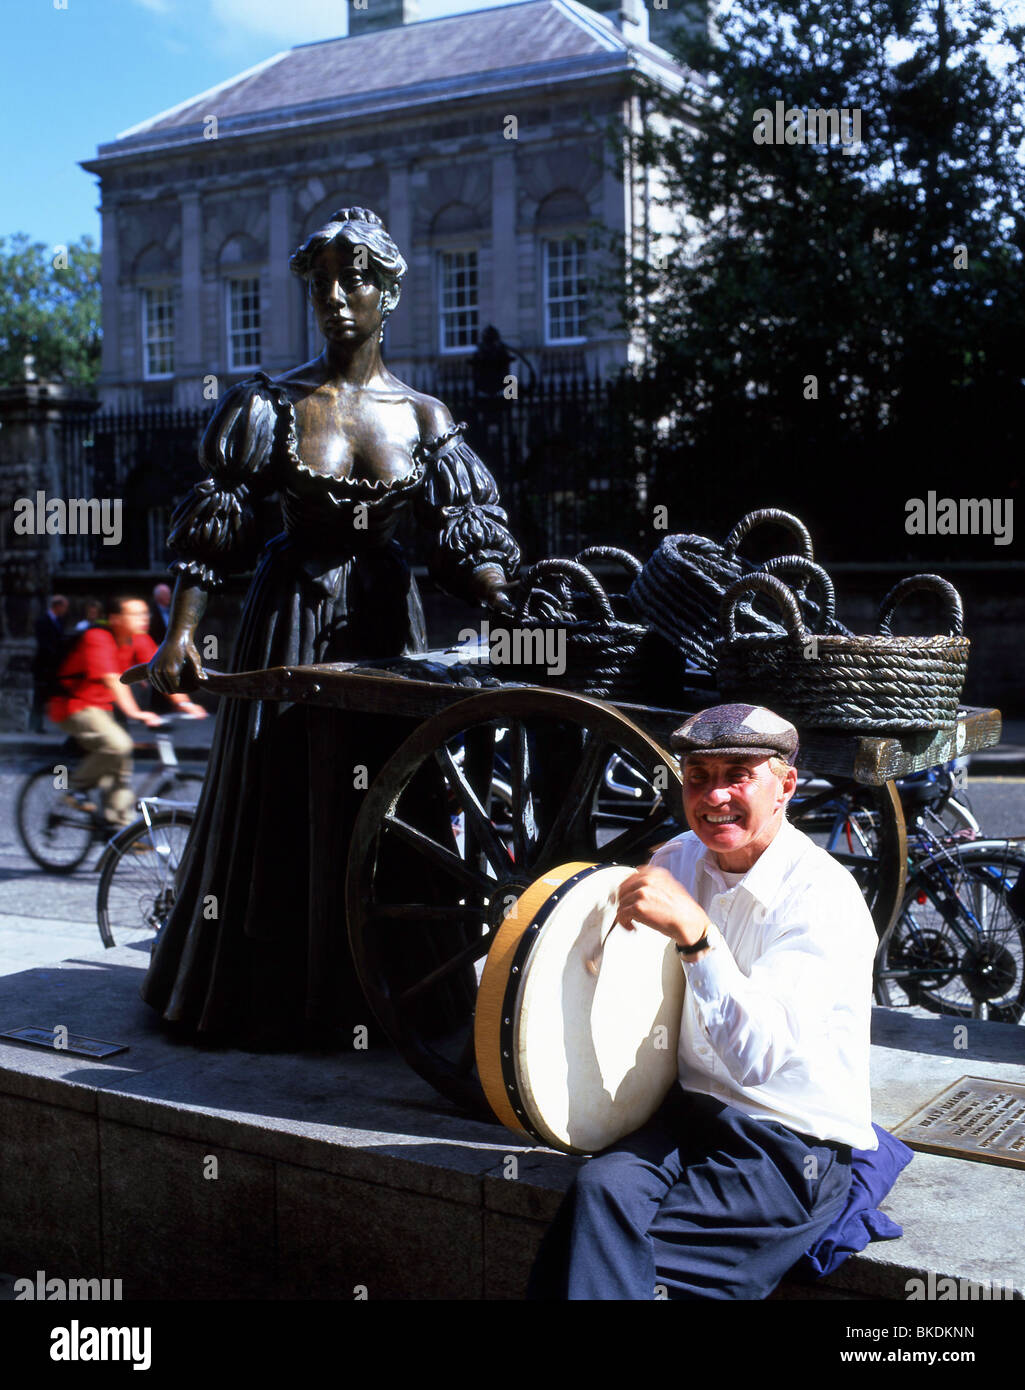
(477, 822)
(470, 953)
(426, 912)
(478, 767)
(567, 833)
(636, 837)
(524, 821)
(440, 856)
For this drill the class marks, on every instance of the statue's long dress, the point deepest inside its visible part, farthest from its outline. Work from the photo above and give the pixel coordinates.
(255, 951)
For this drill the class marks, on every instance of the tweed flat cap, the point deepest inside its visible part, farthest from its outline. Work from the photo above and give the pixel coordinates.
(730, 729)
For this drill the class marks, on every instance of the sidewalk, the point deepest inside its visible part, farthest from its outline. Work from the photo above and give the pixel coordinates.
(1004, 759)
(346, 1169)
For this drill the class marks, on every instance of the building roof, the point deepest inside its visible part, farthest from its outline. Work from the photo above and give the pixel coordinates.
(520, 45)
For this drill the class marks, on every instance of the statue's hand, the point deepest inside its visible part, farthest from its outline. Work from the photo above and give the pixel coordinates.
(489, 585)
(176, 665)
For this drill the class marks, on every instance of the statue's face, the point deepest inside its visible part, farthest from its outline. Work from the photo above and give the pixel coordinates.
(346, 297)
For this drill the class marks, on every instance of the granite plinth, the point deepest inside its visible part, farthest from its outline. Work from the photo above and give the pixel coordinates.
(191, 1172)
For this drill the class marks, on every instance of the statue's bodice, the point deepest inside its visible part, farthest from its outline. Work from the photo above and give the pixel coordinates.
(252, 448)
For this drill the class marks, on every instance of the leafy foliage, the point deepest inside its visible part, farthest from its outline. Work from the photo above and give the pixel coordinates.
(890, 271)
(50, 309)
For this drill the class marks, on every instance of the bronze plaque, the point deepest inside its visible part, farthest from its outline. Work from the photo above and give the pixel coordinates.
(72, 1043)
(975, 1117)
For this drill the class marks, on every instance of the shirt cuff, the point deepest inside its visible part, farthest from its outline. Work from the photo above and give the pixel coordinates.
(713, 977)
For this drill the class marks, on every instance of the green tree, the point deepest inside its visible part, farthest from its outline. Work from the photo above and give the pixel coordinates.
(49, 308)
(837, 324)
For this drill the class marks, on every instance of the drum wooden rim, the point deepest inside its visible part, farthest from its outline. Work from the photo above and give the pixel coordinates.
(495, 1019)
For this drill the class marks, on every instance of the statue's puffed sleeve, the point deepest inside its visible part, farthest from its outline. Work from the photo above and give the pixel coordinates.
(212, 527)
(458, 507)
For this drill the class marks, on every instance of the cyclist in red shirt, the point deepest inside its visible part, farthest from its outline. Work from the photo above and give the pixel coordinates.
(91, 677)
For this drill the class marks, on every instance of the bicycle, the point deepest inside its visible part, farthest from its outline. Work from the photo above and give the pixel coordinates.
(58, 829)
(138, 872)
(957, 944)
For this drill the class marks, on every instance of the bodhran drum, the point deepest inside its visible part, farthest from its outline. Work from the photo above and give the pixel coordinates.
(577, 1019)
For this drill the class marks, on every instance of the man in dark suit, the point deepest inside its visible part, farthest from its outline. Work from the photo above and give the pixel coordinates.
(159, 612)
(49, 629)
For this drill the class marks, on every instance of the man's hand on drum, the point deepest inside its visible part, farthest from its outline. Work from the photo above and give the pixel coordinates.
(653, 898)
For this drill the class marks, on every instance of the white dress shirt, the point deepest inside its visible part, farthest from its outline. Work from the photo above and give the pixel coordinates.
(777, 1014)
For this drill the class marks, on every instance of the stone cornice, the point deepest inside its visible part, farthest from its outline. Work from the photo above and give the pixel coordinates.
(415, 103)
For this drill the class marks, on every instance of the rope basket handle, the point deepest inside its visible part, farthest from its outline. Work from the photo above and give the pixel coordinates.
(774, 588)
(610, 552)
(569, 569)
(931, 583)
(810, 570)
(747, 524)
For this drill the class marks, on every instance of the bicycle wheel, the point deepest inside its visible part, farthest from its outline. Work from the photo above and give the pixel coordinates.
(56, 834)
(138, 877)
(958, 945)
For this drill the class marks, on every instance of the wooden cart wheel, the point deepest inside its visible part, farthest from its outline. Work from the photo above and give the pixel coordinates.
(863, 827)
(434, 865)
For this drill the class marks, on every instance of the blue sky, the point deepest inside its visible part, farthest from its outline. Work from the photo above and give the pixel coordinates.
(73, 78)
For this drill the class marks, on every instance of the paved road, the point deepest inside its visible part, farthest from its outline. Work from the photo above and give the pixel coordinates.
(46, 918)
(43, 917)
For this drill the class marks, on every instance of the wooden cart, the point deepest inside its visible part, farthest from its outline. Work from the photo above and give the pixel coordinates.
(505, 825)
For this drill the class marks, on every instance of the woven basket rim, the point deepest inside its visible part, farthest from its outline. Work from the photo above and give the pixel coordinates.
(836, 643)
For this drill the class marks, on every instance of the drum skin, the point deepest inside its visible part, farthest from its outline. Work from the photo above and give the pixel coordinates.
(575, 1042)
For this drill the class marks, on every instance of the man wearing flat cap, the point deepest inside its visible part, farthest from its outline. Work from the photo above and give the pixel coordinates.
(747, 1161)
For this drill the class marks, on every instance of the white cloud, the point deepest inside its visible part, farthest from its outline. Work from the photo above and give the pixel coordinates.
(286, 21)
(157, 6)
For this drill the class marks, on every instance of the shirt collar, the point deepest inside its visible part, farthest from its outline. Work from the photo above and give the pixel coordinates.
(765, 876)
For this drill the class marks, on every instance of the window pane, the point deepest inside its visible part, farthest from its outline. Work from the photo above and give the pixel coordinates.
(244, 322)
(564, 282)
(158, 331)
(458, 299)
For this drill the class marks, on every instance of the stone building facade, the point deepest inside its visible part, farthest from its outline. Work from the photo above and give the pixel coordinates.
(481, 139)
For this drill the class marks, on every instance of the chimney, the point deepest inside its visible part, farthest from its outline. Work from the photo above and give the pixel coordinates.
(367, 16)
(630, 17)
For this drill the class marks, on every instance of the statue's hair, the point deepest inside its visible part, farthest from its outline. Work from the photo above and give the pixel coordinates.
(359, 227)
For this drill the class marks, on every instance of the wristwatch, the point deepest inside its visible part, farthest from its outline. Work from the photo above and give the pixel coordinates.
(688, 951)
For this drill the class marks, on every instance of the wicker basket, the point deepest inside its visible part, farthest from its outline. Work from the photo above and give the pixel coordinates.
(817, 617)
(622, 605)
(601, 651)
(882, 684)
(680, 589)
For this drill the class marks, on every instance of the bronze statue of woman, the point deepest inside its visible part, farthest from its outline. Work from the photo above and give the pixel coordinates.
(255, 950)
